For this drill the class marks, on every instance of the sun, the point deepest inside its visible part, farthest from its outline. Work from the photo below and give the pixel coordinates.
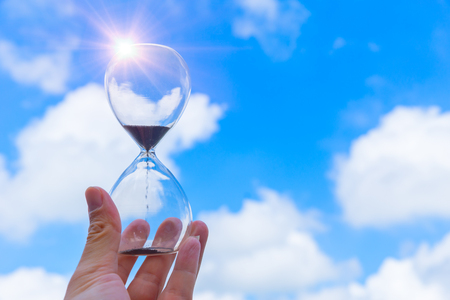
(124, 47)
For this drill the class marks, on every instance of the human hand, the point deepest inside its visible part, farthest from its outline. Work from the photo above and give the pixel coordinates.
(102, 272)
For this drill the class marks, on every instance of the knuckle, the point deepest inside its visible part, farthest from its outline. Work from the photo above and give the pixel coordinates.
(96, 227)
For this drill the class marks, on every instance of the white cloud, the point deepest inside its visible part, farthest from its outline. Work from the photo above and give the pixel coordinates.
(78, 143)
(267, 246)
(42, 24)
(398, 171)
(275, 24)
(36, 284)
(49, 71)
(339, 43)
(422, 276)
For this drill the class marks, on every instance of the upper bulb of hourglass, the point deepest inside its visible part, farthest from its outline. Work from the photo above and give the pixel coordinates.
(148, 88)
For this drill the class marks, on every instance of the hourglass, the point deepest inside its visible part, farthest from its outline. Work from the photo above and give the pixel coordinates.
(148, 88)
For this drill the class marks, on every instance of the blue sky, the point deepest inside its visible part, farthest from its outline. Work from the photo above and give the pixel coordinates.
(315, 144)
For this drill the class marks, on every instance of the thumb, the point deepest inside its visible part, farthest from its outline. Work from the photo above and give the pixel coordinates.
(102, 245)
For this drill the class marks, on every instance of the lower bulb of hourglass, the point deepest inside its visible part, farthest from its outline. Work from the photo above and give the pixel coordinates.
(155, 213)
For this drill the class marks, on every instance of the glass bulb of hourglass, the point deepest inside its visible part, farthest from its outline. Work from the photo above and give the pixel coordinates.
(148, 89)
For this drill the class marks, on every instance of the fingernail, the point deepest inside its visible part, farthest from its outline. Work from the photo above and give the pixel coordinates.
(197, 237)
(95, 201)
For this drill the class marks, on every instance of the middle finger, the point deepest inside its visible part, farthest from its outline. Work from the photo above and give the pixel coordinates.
(151, 276)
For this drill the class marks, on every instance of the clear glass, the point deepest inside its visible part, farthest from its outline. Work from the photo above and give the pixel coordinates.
(148, 89)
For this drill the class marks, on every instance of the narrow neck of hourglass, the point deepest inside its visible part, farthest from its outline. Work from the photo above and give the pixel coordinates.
(147, 153)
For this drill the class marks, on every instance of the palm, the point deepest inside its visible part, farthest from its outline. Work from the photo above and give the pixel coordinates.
(108, 286)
